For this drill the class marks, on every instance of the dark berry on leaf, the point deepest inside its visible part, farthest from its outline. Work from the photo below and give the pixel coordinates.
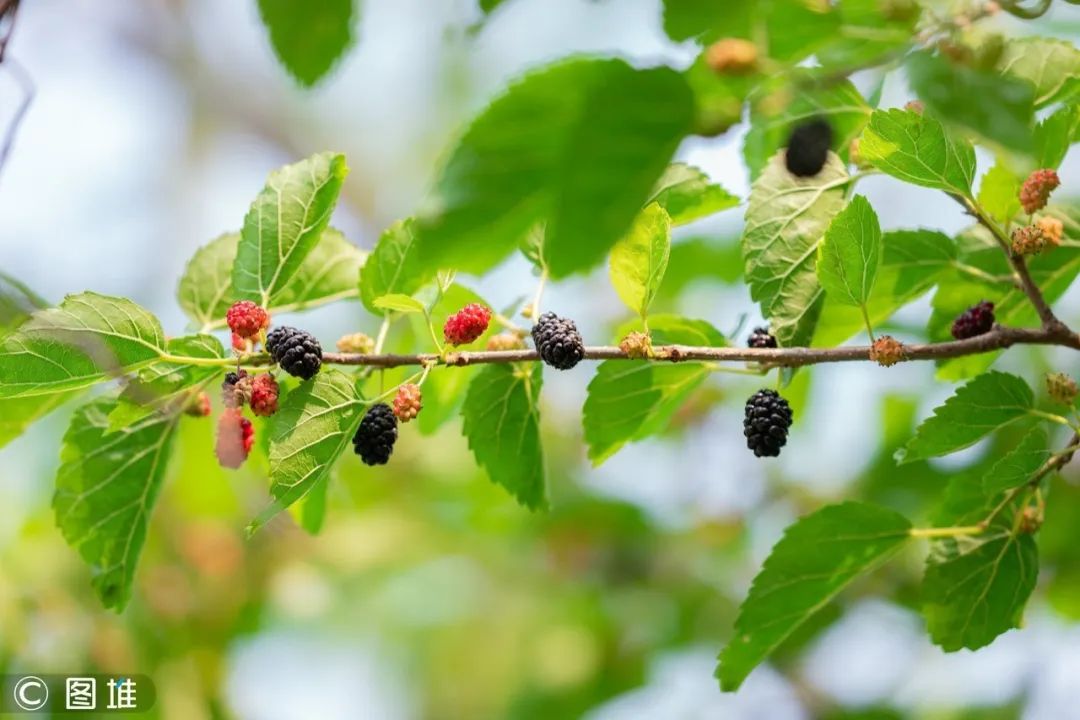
(375, 438)
(558, 341)
(761, 338)
(768, 417)
(808, 148)
(296, 351)
(976, 320)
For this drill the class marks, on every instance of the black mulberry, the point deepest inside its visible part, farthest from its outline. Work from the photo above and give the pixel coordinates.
(808, 148)
(558, 341)
(976, 320)
(374, 439)
(768, 417)
(761, 338)
(296, 351)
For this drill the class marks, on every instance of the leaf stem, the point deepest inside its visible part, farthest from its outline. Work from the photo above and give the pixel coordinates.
(431, 330)
(866, 319)
(380, 339)
(1059, 419)
(260, 359)
(756, 372)
(534, 307)
(510, 325)
(1027, 283)
(940, 532)
(980, 274)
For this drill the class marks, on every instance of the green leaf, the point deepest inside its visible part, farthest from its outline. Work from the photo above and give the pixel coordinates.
(395, 266)
(629, 401)
(987, 403)
(785, 219)
(579, 145)
(399, 303)
(686, 194)
(502, 424)
(849, 255)
(999, 108)
(312, 428)
(976, 587)
(1051, 66)
(971, 497)
(916, 149)
(17, 303)
(167, 387)
(789, 30)
(639, 259)
(309, 37)
(284, 223)
(106, 489)
(705, 21)
(86, 339)
(818, 557)
(310, 511)
(718, 98)
(206, 290)
(667, 329)
(912, 262)
(1055, 135)
(871, 33)
(838, 102)
(18, 414)
(327, 274)
(980, 593)
(999, 193)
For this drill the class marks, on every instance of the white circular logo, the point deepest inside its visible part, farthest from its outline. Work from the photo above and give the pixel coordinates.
(31, 693)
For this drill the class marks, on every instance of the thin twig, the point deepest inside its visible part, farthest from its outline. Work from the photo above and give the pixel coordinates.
(997, 339)
(22, 78)
(1027, 283)
(8, 10)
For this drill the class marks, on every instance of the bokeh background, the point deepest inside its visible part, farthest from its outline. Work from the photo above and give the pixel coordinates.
(429, 593)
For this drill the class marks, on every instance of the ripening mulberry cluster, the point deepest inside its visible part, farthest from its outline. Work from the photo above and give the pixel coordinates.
(374, 439)
(732, 56)
(761, 338)
(246, 319)
(235, 438)
(558, 341)
(1035, 192)
(766, 423)
(886, 351)
(296, 351)
(976, 320)
(467, 324)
